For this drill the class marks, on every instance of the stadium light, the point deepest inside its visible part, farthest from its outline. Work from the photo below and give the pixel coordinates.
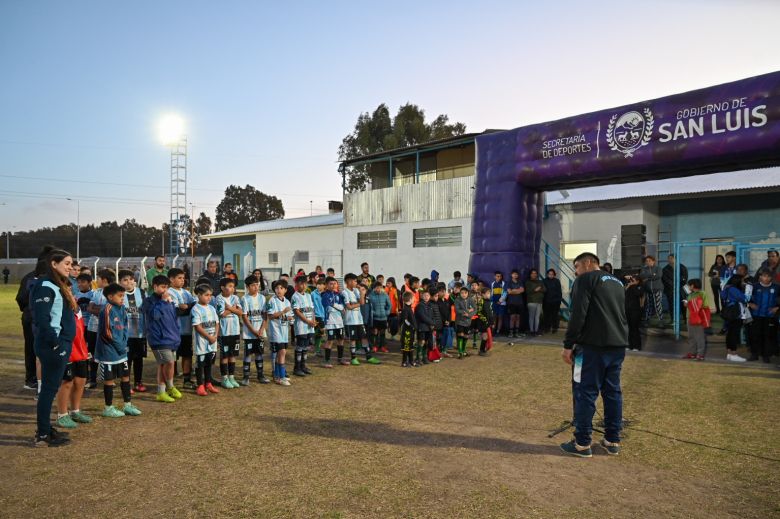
(170, 129)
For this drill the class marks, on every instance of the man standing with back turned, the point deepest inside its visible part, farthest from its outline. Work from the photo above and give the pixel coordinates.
(595, 344)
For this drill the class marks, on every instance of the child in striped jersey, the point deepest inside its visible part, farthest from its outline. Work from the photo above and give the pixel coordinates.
(229, 310)
(303, 307)
(97, 302)
(205, 325)
(184, 302)
(136, 343)
(253, 331)
(279, 314)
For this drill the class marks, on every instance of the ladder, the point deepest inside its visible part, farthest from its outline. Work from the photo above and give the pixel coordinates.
(664, 244)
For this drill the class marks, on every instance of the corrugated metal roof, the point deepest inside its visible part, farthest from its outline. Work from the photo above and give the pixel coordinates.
(278, 225)
(730, 181)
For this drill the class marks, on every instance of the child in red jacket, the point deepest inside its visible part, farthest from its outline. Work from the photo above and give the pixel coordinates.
(73, 381)
(699, 318)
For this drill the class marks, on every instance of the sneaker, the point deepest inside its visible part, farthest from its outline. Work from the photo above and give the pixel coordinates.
(483, 354)
(374, 349)
(374, 361)
(327, 365)
(613, 449)
(425, 360)
(460, 356)
(735, 358)
(354, 362)
(234, 381)
(244, 381)
(189, 384)
(572, 448)
(283, 382)
(404, 364)
(112, 412)
(140, 388)
(132, 391)
(80, 417)
(437, 361)
(384, 349)
(344, 362)
(211, 389)
(699, 357)
(307, 370)
(31, 384)
(416, 363)
(175, 393)
(201, 391)
(131, 410)
(689, 356)
(226, 383)
(165, 398)
(90, 385)
(50, 440)
(66, 422)
(299, 373)
(263, 379)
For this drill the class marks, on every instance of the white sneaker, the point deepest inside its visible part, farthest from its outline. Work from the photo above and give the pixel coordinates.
(735, 358)
(282, 382)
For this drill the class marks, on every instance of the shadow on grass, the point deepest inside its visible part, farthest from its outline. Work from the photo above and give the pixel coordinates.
(382, 433)
(11, 413)
(750, 374)
(8, 440)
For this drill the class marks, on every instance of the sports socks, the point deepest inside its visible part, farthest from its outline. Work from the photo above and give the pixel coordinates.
(108, 394)
(125, 387)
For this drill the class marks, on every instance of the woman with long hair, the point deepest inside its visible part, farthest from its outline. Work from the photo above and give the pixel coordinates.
(54, 323)
(534, 293)
(395, 306)
(551, 306)
(714, 275)
(259, 275)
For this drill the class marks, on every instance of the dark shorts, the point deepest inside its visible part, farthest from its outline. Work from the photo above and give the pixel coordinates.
(276, 347)
(380, 325)
(256, 346)
(113, 371)
(303, 341)
(200, 359)
(355, 332)
(136, 348)
(425, 336)
(78, 369)
(463, 330)
(479, 325)
(229, 346)
(91, 338)
(499, 309)
(515, 309)
(185, 347)
(335, 334)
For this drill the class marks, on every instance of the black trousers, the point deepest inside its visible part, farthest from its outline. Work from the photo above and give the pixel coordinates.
(551, 316)
(634, 323)
(29, 351)
(763, 341)
(733, 334)
(716, 291)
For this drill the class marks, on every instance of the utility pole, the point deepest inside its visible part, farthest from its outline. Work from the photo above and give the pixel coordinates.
(121, 244)
(162, 239)
(192, 231)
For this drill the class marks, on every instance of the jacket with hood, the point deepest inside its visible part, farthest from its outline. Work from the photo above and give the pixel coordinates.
(464, 311)
(380, 305)
(161, 323)
(424, 316)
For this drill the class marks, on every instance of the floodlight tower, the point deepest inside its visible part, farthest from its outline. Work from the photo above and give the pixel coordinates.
(173, 136)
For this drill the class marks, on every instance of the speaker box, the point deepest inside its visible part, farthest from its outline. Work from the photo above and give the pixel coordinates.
(638, 228)
(633, 239)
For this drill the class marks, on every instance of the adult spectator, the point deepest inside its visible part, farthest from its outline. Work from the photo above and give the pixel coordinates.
(734, 299)
(364, 275)
(455, 279)
(635, 301)
(23, 302)
(186, 269)
(553, 297)
(652, 283)
(772, 264)
(514, 302)
(137, 275)
(595, 344)
(259, 275)
(534, 294)
(212, 276)
(158, 269)
(667, 278)
(228, 273)
(6, 273)
(607, 267)
(729, 269)
(714, 275)
(54, 321)
(764, 305)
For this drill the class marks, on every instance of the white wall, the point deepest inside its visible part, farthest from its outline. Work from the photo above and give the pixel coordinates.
(324, 243)
(405, 258)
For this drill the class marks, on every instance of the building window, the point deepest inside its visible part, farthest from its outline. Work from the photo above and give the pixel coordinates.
(301, 256)
(273, 257)
(571, 250)
(376, 240)
(438, 237)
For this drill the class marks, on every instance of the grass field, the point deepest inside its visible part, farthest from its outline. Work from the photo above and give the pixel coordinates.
(460, 439)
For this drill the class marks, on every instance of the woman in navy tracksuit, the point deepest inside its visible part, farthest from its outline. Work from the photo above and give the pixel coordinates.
(54, 327)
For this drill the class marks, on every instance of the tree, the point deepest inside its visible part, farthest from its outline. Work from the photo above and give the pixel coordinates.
(376, 132)
(245, 205)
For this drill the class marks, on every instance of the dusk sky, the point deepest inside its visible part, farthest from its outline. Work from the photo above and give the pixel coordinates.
(269, 90)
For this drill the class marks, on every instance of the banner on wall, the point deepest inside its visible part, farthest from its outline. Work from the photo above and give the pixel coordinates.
(725, 127)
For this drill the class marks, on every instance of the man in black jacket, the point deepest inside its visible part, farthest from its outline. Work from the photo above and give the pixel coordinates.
(595, 344)
(667, 278)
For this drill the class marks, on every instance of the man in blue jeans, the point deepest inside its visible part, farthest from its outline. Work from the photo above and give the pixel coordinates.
(595, 344)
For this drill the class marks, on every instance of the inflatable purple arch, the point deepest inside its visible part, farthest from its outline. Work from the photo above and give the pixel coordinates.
(727, 127)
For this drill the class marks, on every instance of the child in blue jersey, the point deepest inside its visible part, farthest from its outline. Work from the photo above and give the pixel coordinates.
(253, 331)
(279, 314)
(303, 307)
(229, 310)
(353, 320)
(111, 352)
(319, 313)
(95, 306)
(163, 333)
(184, 302)
(83, 294)
(136, 343)
(205, 326)
(333, 307)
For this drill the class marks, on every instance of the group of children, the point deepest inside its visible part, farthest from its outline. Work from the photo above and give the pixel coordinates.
(117, 325)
